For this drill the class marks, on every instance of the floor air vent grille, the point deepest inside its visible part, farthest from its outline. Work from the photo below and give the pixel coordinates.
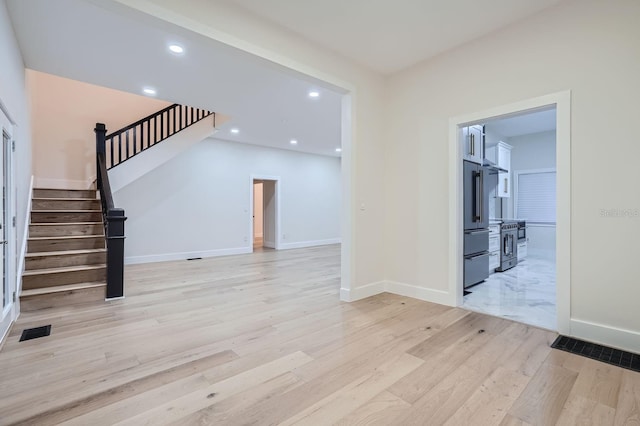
(612, 356)
(34, 333)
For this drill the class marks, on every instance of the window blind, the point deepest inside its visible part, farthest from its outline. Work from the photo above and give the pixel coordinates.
(536, 196)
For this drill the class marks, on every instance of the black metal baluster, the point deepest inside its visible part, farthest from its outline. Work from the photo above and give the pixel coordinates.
(174, 120)
(126, 144)
(119, 148)
(111, 149)
(135, 141)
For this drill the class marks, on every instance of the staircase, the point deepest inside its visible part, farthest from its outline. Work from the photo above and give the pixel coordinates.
(66, 256)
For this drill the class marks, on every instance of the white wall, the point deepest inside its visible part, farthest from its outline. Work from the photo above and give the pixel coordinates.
(587, 46)
(65, 113)
(531, 152)
(364, 258)
(14, 97)
(198, 204)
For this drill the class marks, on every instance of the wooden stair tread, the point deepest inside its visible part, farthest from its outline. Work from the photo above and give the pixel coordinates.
(64, 199)
(65, 237)
(63, 269)
(66, 252)
(64, 223)
(68, 211)
(60, 289)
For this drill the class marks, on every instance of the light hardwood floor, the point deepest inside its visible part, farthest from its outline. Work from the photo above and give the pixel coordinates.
(263, 339)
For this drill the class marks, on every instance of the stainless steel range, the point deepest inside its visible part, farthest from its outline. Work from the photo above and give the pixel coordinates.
(508, 245)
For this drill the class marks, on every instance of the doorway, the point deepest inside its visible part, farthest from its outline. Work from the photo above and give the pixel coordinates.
(7, 242)
(519, 163)
(562, 102)
(265, 213)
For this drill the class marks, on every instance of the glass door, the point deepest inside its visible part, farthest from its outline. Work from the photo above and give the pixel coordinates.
(3, 222)
(7, 311)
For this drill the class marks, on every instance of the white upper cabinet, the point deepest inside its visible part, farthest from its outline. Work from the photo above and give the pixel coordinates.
(503, 160)
(472, 144)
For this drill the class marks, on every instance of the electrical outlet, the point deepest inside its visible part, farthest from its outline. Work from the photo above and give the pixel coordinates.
(284, 236)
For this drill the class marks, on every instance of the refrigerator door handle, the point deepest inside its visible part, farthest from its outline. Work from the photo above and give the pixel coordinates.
(478, 200)
(481, 190)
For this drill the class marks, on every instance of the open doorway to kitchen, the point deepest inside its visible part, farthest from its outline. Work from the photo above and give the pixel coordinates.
(562, 103)
(265, 219)
(514, 215)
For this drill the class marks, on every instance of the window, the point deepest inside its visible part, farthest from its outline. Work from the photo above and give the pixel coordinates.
(535, 197)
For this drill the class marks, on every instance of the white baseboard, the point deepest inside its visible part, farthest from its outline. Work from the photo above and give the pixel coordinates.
(421, 293)
(627, 340)
(426, 294)
(303, 244)
(63, 183)
(25, 238)
(132, 260)
(351, 295)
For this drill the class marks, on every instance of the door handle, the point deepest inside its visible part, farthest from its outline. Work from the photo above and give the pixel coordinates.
(505, 185)
(476, 213)
(481, 201)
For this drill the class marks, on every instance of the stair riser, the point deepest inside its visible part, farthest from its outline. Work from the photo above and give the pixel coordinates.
(37, 246)
(62, 230)
(63, 193)
(62, 217)
(65, 204)
(30, 282)
(44, 262)
(72, 297)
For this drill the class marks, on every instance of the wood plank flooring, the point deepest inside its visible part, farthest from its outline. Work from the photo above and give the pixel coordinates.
(263, 339)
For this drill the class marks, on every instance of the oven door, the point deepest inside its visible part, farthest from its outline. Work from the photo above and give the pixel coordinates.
(522, 234)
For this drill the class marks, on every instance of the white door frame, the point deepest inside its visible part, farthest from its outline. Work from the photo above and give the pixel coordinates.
(9, 313)
(277, 224)
(562, 102)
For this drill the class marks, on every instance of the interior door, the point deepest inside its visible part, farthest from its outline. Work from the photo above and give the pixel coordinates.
(3, 222)
(6, 314)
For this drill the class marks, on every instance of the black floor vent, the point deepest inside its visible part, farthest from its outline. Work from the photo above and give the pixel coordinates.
(34, 333)
(611, 356)
(194, 258)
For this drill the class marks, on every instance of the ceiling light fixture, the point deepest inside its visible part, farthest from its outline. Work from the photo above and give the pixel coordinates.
(149, 91)
(338, 149)
(176, 48)
(314, 94)
(293, 142)
(235, 130)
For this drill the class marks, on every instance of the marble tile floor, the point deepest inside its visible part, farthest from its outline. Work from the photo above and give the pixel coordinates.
(525, 293)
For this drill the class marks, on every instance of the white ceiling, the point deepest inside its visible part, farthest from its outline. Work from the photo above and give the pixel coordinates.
(114, 46)
(524, 124)
(105, 43)
(386, 35)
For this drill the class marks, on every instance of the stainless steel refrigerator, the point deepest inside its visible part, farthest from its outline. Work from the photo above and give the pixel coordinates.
(477, 184)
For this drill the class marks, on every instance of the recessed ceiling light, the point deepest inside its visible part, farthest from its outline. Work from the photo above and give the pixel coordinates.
(314, 94)
(149, 91)
(176, 48)
(235, 130)
(293, 142)
(338, 149)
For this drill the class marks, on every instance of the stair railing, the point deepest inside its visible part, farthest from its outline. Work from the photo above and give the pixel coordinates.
(113, 220)
(125, 143)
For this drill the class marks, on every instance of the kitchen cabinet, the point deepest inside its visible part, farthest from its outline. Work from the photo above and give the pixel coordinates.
(494, 248)
(494, 261)
(522, 251)
(501, 155)
(473, 144)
